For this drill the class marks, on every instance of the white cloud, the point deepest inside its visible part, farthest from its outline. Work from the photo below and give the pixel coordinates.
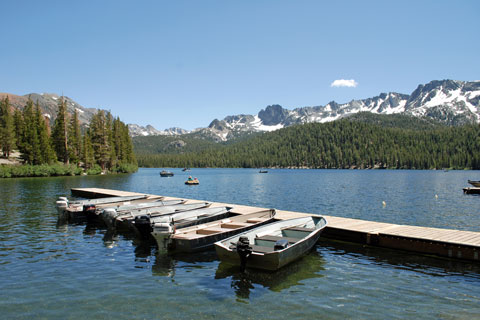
(344, 83)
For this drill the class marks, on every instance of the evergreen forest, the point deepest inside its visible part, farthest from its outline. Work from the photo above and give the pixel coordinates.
(66, 148)
(363, 141)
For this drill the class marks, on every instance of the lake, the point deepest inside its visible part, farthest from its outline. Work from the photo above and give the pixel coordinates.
(81, 271)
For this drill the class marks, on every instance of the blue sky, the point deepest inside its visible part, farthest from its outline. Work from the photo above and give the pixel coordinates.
(185, 63)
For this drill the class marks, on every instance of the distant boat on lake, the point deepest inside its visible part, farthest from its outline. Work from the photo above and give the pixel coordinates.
(165, 173)
(474, 183)
(191, 181)
(263, 171)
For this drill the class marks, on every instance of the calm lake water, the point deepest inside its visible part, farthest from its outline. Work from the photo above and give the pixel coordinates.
(81, 271)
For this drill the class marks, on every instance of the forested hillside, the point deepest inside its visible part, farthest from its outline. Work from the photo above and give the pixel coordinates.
(362, 142)
(399, 121)
(171, 144)
(66, 148)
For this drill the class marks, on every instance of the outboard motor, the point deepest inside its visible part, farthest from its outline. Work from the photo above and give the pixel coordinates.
(143, 225)
(164, 227)
(62, 205)
(162, 232)
(108, 215)
(244, 250)
(89, 210)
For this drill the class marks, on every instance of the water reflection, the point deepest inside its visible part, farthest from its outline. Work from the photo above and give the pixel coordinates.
(145, 249)
(424, 264)
(91, 228)
(308, 267)
(110, 238)
(166, 263)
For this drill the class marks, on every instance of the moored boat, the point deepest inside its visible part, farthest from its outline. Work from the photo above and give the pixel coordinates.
(202, 237)
(161, 227)
(68, 209)
(129, 216)
(272, 246)
(145, 205)
(109, 213)
(165, 173)
(475, 183)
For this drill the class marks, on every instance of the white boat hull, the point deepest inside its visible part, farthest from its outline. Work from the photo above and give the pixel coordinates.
(275, 259)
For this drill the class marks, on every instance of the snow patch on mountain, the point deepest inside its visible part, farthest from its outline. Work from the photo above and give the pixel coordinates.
(258, 124)
(136, 130)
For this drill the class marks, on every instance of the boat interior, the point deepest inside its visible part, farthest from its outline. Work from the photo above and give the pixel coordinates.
(221, 226)
(279, 240)
(179, 222)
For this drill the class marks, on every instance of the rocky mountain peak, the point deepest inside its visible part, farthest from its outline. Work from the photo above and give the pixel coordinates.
(273, 115)
(217, 125)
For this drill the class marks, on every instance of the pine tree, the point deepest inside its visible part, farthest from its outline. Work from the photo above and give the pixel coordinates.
(113, 160)
(74, 139)
(60, 133)
(47, 155)
(87, 151)
(100, 139)
(7, 129)
(118, 139)
(30, 143)
(18, 127)
(127, 146)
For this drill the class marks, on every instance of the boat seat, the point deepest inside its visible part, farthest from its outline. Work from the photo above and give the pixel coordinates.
(301, 229)
(255, 220)
(262, 249)
(210, 230)
(234, 225)
(276, 238)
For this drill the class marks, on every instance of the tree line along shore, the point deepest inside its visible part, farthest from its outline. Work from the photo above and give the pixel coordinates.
(66, 148)
(363, 141)
(366, 141)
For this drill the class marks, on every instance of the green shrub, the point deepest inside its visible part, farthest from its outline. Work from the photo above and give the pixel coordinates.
(57, 169)
(96, 169)
(125, 168)
(5, 171)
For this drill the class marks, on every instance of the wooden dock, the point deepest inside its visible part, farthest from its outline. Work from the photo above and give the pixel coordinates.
(93, 193)
(441, 242)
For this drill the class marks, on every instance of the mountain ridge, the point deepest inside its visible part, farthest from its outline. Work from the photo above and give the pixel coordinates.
(452, 102)
(48, 103)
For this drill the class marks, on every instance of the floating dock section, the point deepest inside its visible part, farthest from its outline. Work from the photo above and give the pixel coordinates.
(449, 243)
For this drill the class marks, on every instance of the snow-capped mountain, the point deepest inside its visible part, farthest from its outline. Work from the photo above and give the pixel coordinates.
(136, 130)
(453, 102)
(448, 101)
